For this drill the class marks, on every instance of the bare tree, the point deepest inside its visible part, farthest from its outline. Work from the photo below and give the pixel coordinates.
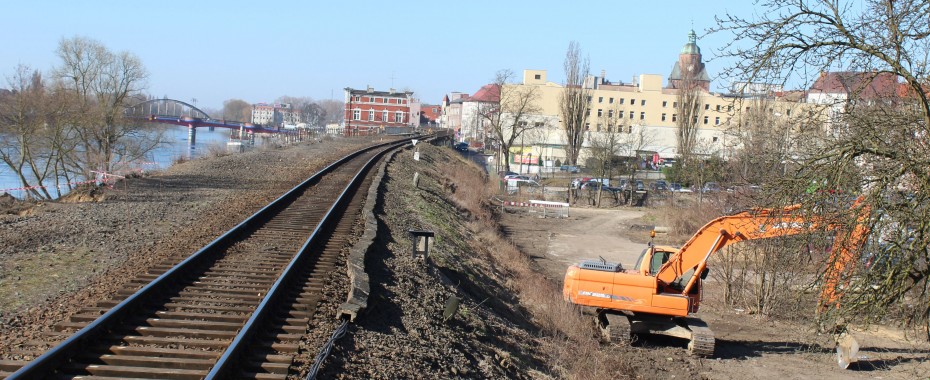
(574, 104)
(311, 112)
(237, 109)
(879, 149)
(104, 84)
(606, 142)
(24, 146)
(333, 109)
(515, 114)
(689, 111)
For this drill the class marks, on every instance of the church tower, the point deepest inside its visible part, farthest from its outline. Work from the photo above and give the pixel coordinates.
(689, 66)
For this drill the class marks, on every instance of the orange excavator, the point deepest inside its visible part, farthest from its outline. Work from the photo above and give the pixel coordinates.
(664, 288)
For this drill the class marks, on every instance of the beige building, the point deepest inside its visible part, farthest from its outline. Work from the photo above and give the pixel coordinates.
(644, 107)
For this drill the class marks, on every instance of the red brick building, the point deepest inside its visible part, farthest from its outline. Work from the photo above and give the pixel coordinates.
(429, 114)
(370, 112)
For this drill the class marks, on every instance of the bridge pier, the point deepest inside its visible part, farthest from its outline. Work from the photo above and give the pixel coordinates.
(191, 135)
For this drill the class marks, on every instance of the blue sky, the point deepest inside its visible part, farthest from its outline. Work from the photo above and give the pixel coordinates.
(218, 50)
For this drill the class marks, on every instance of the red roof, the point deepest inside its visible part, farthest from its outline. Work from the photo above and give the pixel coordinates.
(489, 93)
(860, 85)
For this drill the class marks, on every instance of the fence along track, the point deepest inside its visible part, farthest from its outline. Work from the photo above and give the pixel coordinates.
(226, 311)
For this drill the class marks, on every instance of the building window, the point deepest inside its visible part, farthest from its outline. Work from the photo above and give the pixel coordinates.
(642, 116)
(621, 100)
(357, 98)
(537, 76)
(589, 99)
(642, 102)
(588, 112)
(730, 108)
(664, 103)
(599, 125)
(674, 117)
(718, 108)
(705, 120)
(384, 116)
(399, 117)
(587, 126)
(632, 102)
(663, 117)
(610, 113)
(715, 138)
(371, 115)
(600, 112)
(611, 101)
(717, 120)
(789, 112)
(674, 104)
(356, 114)
(706, 107)
(631, 115)
(600, 99)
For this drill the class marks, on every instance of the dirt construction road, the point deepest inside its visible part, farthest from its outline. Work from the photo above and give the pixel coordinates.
(747, 346)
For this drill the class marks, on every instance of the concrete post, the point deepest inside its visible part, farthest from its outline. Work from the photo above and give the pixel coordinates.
(191, 135)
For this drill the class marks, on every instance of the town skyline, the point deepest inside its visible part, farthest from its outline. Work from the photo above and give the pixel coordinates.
(191, 51)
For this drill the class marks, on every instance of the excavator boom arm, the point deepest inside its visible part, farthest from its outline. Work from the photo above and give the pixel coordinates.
(761, 224)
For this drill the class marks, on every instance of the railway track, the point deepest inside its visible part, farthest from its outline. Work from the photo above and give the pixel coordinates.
(237, 308)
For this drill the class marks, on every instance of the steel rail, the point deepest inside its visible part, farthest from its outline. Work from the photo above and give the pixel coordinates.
(225, 366)
(57, 356)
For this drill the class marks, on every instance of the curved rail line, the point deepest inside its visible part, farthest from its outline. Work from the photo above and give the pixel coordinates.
(235, 308)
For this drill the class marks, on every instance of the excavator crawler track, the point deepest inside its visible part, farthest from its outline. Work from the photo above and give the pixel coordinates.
(702, 338)
(615, 328)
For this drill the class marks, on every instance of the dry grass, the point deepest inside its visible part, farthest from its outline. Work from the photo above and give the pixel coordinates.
(568, 335)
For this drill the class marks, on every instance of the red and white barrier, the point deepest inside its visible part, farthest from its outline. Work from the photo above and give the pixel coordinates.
(556, 209)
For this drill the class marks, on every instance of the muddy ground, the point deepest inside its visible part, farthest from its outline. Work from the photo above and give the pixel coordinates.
(747, 346)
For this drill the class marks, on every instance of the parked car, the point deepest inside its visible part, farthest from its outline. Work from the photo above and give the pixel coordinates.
(569, 168)
(505, 173)
(659, 185)
(676, 187)
(516, 177)
(590, 184)
(514, 185)
(711, 187)
(462, 146)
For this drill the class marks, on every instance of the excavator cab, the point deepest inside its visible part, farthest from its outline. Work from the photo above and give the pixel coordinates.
(654, 257)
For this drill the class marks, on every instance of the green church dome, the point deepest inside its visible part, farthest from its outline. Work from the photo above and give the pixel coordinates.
(691, 47)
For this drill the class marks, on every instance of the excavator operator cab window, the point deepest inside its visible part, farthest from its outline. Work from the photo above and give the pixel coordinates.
(653, 258)
(658, 258)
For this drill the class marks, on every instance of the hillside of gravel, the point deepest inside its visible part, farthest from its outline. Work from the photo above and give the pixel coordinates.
(408, 330)
(58, 256)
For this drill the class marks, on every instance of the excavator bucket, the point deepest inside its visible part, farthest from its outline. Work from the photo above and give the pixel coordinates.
(847, 350)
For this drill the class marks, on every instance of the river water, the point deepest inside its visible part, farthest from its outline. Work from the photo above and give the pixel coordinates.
(176, 147)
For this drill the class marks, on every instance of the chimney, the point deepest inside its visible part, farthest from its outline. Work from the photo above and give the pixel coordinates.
(370, 90)
(603, 76)
(392, 91)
